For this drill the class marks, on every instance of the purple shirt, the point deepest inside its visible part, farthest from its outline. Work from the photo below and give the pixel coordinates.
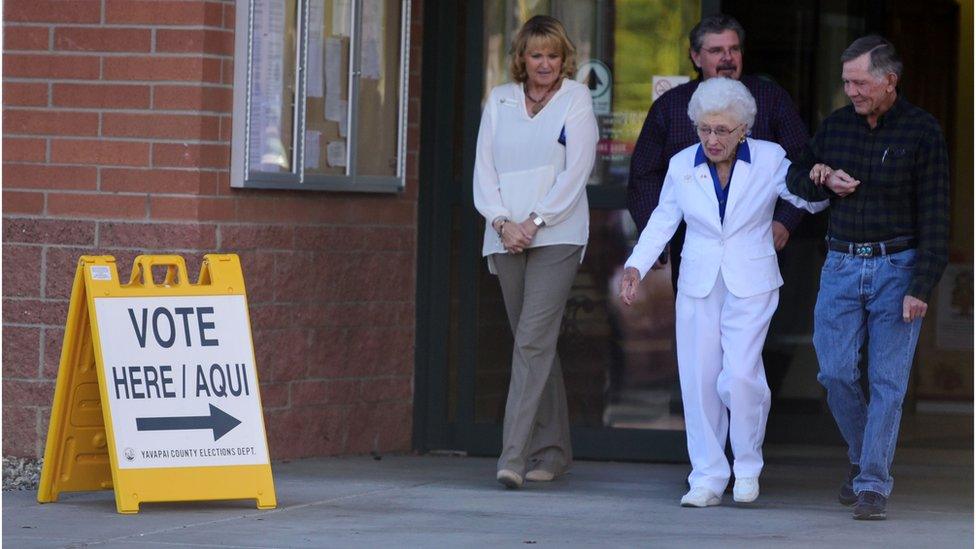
(667, 130)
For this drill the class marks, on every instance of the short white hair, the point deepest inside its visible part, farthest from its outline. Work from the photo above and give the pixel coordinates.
(723, 96)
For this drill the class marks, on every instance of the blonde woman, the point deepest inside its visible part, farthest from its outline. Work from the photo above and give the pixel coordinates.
(535, 151)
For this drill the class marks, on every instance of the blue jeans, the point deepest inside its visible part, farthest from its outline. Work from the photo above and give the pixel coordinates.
(864, 296)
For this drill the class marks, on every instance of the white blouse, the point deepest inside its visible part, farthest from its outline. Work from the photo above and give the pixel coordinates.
(520, 166)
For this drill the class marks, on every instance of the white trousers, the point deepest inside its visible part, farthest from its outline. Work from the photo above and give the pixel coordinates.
(723, 384)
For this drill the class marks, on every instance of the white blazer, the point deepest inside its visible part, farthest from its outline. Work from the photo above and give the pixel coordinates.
(741, 248)
(520, 166)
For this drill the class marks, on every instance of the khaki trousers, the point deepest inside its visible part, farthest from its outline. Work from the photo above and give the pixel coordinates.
(535, 285)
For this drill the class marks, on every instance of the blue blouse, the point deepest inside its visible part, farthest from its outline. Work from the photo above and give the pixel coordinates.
(723, 194)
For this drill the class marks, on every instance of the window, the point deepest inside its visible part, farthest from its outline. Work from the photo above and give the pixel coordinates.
(320, 94)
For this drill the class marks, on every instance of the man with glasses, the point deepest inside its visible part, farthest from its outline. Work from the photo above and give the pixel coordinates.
(716, 50)
(883, 164)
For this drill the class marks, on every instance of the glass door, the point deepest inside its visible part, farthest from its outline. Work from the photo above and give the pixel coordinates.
(619, 363)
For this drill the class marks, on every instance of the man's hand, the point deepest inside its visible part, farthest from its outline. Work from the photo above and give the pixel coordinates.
(628, 285)
(913, 308)
(781, 235)
(841, 183)
(819, 173)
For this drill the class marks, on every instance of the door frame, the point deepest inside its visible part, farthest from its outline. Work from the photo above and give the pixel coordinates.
(452, 62)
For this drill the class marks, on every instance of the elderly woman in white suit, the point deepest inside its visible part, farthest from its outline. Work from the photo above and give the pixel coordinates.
(725, 189)
(536, 147)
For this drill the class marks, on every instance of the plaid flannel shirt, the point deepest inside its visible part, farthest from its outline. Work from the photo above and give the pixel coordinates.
(903, 167)
(667, 130)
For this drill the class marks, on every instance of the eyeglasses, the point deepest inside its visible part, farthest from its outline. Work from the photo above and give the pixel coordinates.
(719, 132)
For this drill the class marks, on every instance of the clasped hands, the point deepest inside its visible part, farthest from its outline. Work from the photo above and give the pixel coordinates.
(516, 237)
(838, 181)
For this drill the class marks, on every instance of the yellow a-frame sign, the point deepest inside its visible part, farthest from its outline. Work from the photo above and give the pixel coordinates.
(157, 393)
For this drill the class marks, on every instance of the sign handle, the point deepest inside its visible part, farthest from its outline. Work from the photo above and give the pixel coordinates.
(142, 274)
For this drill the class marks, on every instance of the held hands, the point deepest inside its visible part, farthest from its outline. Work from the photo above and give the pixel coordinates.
(913, 308)
(628, 285)
(819, 173)
(514, 237)
(841, 183)
(529, 228)
(838, 181)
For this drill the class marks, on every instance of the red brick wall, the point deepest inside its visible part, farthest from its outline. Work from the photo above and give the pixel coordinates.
(116, 140)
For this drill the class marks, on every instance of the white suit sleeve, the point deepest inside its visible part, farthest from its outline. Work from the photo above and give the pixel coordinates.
(780, 178)
(487, 196)
(582, 134)
(659, 230)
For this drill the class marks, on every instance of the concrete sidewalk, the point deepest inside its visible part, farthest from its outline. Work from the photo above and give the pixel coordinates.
(433, 501)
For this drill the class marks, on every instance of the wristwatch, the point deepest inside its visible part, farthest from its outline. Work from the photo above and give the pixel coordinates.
(537, 220)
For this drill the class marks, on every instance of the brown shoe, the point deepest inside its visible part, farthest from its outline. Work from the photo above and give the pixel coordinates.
(870, 506)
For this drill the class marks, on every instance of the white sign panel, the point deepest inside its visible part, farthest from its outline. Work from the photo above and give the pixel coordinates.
(595, 75)
(661, 84)
(181, 381)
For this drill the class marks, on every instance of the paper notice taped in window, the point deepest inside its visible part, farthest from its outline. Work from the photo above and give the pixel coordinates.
(335, 154)
(333, 80)
(340, 17)
(267, 152)
(313, 149)
(372, 37)
(316, 20)
(336, 110)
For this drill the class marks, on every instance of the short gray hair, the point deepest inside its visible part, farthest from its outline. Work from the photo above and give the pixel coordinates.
(723, 96)
(883, 60)
(715, 24)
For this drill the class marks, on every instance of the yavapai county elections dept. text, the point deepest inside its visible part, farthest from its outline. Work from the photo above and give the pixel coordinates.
(197, 452)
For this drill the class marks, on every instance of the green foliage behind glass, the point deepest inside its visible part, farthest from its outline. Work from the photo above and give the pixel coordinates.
(651, 38)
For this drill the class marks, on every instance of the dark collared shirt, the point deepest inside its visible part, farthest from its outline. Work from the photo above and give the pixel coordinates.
(722, 195)
(903, 168)
(667, 130)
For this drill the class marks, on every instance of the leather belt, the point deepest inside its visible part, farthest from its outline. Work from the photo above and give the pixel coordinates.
(871, 249)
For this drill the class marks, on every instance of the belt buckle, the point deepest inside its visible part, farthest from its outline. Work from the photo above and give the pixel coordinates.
(863, 250)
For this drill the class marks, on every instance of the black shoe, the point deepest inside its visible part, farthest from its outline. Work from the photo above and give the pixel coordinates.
(847, 495)
(870, 506)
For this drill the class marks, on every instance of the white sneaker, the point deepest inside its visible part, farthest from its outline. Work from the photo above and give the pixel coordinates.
(539, 475)
(745, 490)
(509, 478)
(700, 497)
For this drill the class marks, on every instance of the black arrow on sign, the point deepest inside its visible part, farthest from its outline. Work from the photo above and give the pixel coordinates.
(593, 80)
(220, 421)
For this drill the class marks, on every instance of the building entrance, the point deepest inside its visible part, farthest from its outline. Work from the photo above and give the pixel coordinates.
(619, 364)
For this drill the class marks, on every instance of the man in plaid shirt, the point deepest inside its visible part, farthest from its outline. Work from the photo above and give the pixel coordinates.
(716, 50)
(882, 162)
